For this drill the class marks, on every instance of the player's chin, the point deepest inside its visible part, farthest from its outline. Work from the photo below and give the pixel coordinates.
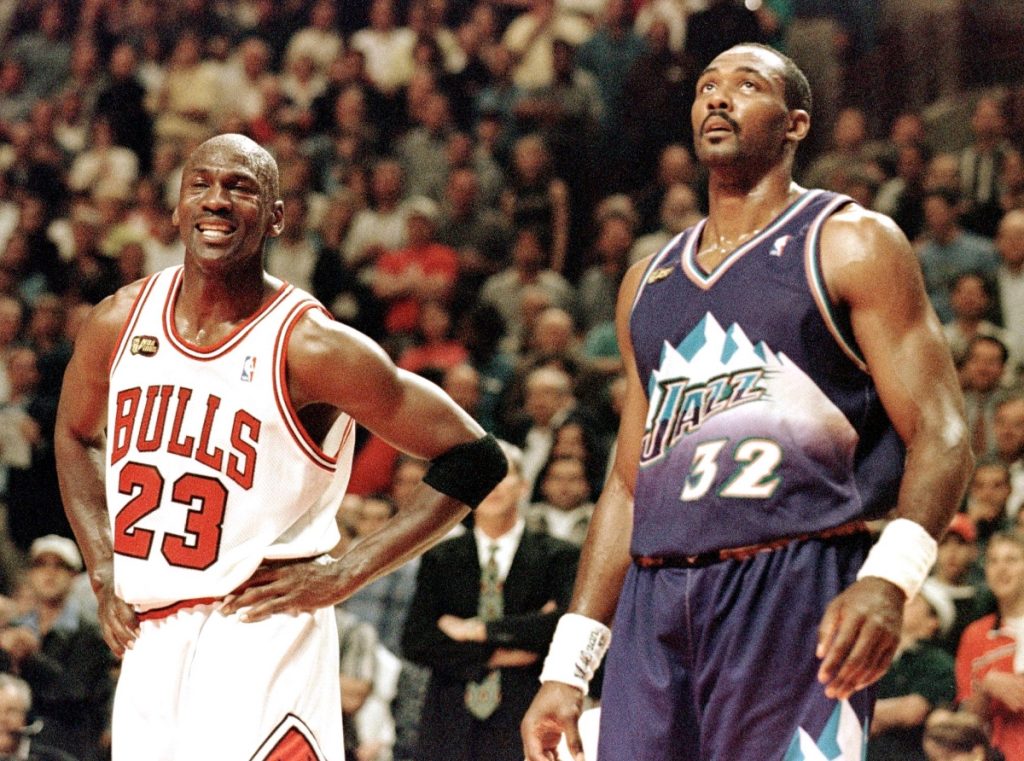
(720, 152)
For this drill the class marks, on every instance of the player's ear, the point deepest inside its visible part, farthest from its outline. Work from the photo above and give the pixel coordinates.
(799, 125)
(276, 219)
(174, 216)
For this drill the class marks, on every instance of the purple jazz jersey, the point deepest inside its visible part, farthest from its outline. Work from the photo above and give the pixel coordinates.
(687, 679)
(762, 420)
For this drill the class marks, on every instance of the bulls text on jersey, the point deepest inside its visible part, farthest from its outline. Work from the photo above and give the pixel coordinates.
(160, 426)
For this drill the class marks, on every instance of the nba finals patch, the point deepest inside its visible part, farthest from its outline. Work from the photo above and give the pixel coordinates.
(659, 274)
(248, 368)
(147, 346)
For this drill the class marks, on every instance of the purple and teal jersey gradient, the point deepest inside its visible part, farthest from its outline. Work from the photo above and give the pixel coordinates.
(762, 421)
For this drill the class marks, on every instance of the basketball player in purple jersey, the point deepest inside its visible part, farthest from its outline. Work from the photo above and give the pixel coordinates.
(787, 380)
(226, 401)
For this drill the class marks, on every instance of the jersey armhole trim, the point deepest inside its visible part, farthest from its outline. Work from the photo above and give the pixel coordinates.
(285, 406)
(132, 320)
(657, 259)
(819, 291)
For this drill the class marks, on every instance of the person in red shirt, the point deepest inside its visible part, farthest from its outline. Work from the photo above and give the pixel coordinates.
(989, 664)
(434, 349)
(424, 269)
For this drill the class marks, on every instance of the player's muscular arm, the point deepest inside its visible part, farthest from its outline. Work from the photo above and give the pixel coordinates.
(329, 363)
(78, 443)
(870, 269)
(605, 557)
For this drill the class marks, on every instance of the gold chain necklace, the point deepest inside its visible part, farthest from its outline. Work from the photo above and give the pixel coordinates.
(724, 246)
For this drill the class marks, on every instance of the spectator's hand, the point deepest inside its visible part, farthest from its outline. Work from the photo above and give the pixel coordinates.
(463, 629)
(555, 711)
(505, 657)
(1008, 689)
(858, 636)
(118, 621)
(289, 586)
(369, 751)
(20, 642)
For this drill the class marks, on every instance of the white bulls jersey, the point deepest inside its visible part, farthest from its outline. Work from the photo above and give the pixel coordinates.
(209, 471)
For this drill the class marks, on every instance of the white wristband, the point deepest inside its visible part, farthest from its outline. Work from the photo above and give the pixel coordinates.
(576, 651)
(904, 554)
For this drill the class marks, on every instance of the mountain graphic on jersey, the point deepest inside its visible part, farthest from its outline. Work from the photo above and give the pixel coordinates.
(718, 387)
(843, 739)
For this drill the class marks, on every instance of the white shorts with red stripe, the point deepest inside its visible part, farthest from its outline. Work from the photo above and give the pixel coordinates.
(201, 686)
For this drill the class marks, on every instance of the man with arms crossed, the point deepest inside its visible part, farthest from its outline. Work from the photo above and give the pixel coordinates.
(229, 400)
(787, 380)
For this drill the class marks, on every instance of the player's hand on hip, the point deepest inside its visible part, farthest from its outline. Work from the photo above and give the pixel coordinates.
(287, 586)
(118, 621)
(858, 636)
(555, 711)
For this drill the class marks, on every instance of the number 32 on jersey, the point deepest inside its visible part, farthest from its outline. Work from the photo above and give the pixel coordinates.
(750, 472)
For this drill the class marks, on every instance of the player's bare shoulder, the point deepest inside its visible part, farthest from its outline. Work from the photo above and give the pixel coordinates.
(103, 326)
(860, 247)
(331, 362)
(631, 280)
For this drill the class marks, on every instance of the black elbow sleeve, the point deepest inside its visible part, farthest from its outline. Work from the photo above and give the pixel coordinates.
(467, 472)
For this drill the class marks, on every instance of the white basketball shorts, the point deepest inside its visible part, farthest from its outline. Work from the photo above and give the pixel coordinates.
(201, 686)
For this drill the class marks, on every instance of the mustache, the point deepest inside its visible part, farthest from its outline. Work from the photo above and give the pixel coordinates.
(724, 116)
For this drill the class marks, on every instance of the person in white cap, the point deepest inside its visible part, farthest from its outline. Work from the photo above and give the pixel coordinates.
(59, 653)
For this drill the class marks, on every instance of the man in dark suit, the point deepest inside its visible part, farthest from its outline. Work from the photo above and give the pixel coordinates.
(484, 612)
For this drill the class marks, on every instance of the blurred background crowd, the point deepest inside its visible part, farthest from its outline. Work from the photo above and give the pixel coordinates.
(466, 181)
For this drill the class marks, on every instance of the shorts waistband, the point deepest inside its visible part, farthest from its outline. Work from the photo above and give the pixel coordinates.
(746, 552)
(154, 614)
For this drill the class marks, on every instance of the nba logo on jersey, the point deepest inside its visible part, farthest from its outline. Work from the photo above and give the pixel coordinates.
(248, 368)
(779, 245)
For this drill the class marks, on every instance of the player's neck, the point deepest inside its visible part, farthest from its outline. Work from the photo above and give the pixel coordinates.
(496, 526)
(738, 210)
(209, 306)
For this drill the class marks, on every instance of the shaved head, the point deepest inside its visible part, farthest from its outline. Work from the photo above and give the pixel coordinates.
(257, 159)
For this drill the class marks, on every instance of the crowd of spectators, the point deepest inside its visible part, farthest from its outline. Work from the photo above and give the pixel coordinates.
(466, 181)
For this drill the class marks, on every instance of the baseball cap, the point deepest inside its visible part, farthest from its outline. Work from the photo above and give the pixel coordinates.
(60, 546)
(940, 601)
(421, 206)
(963, 527)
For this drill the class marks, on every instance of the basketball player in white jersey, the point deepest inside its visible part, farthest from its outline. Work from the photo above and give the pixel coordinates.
(226, 402)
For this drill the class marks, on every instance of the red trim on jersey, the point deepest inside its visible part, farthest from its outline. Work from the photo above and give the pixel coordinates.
(155, 614)
(130, 321)
(294, 746)
(291, 740)
(213, 351)
(349, 428)
(284, 402)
